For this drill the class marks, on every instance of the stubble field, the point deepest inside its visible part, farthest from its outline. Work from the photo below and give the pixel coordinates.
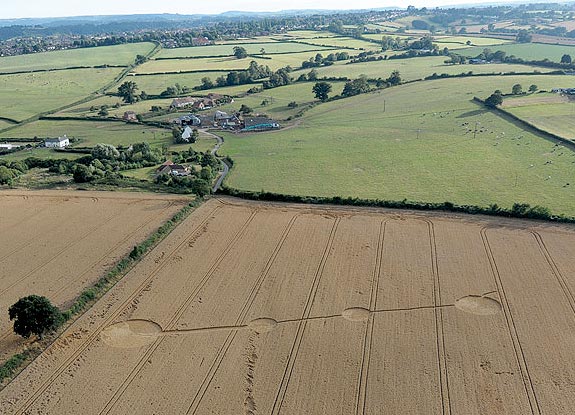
(265, 309)
(58, 243)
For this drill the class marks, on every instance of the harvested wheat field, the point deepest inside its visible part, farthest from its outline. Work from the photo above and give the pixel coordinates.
(251, 308)
(56, 243)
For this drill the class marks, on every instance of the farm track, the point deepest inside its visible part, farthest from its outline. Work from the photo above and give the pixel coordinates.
(368, 338)
(302, 324)
(194, 405)
(359, 322)
(173, 320)
(439, 327)
(512, 329)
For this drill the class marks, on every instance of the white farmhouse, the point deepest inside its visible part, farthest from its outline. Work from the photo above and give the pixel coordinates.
(59, 142)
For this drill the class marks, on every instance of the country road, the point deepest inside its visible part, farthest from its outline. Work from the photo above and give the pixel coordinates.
(226, 168)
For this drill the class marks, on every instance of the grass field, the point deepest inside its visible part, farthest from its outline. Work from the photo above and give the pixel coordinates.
(416, 68)
(345, 42)
(138, 107)
(42, 153)
(25, 95)
(279, 98)
(548, 111)
(527, 51)
(106, 55)
(381, 309)
(227, 50)
(92, 132)
(413, 150)
(230, 63)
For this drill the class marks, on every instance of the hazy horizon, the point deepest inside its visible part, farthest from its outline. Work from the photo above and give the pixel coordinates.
(68, 8)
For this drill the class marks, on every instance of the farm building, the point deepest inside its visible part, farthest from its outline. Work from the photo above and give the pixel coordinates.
(178, 103)
(189, 119)
(130, 116)
(568, 91)
(59, 142)
(7, 146)
(169, 167)
(260, 124)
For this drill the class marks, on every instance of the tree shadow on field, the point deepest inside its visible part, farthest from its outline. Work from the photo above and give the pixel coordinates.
(472, 113)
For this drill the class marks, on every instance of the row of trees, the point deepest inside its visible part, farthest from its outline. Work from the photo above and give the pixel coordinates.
(353, 87)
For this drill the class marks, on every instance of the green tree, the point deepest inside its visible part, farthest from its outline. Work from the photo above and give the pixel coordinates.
(103, 112)
(207, 83)
(321, 90)
(105, 152)
(523, 36)
(240, 52)
(394, 79)
(566, 59)
(140, 59)
(34, 315)
(6, 175)
(127, 91)
(494, 100)
(82, 174)
(533, 88)
(517, 89)
(356, 87)
(244, 109)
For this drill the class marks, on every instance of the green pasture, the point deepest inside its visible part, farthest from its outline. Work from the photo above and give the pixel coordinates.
(421, 148)
(25, 95)
(83, 110)
(527, 51)
(305, 34)
(278, 100)
(42, 153)
(547, 111)
(417, 68)
(342, 42)
(155, 84)
(227, 50)
(275, 62)
(105, 55)
(91, 133)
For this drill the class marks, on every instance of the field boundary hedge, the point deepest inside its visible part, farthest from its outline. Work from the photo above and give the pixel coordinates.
(89, 296)
(528, 126)
(519, 210)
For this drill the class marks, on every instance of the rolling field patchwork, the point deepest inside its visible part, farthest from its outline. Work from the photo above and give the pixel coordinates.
(58, 243)
(393, 145)
(550, 112)
(527, 51)
(93, 132)
(417, 68)
(25, 95)
(106, 55)
(227, 50)
(283, 309)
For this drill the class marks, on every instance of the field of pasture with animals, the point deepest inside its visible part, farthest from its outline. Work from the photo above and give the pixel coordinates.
(287, 309)
(423, 139)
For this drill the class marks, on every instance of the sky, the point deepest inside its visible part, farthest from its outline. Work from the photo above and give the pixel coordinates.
(61, 8)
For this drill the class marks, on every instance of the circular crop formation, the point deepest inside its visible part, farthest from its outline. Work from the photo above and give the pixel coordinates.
(475, 304)
(131, 334)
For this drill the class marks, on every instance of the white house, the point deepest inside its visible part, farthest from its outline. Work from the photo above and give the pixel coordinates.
(59, 142)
